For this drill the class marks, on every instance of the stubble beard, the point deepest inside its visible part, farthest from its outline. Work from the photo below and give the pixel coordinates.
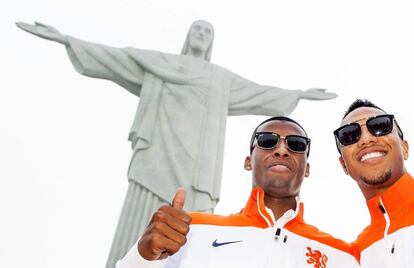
(378, 180)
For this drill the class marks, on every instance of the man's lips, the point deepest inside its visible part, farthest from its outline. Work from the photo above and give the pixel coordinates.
(280, 166)
(371, 154)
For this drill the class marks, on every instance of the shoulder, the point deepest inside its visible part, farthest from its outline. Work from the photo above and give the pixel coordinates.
(220, 220)
(367, 237)
(311, 232)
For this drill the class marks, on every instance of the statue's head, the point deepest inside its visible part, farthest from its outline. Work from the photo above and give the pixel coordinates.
(199, 39)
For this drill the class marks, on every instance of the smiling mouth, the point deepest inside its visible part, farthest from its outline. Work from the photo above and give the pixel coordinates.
(372, 155)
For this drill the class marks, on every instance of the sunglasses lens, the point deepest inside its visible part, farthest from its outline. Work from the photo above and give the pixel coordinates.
(296, 143)
(349, 134)
(267, 141)
(380, 126)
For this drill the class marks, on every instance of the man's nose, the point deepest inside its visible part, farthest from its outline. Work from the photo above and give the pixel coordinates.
(281, 149)
(366, 136)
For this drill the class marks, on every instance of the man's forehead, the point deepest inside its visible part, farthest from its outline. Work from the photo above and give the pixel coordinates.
(281, 126)
(361, 114)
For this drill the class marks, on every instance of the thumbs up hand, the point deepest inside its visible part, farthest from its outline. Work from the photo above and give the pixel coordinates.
(167, 230)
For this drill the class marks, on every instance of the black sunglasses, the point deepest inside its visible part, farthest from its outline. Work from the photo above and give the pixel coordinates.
(269, 140)
(380, 125)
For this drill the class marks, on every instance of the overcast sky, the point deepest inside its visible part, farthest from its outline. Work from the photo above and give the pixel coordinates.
(64, 152)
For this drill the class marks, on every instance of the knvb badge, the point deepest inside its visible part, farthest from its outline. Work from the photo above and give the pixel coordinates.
(316, 258)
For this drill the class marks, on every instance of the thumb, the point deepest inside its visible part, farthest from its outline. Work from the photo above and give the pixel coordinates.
(179, 198)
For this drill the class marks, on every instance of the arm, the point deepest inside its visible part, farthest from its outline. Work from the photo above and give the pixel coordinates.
(134, 260)
(247, 97)
(167, 230)
(94, 60)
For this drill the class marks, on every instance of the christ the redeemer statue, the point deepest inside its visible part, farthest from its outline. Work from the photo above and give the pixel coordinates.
(178, 132)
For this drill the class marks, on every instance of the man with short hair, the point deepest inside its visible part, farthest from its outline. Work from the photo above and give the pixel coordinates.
(373, 151)
(269, 232)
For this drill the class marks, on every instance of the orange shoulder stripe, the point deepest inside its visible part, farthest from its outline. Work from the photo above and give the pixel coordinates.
(230, 220)
(313, 233)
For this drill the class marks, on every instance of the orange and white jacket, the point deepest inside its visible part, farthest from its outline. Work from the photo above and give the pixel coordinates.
(389, 240)
(253, 238)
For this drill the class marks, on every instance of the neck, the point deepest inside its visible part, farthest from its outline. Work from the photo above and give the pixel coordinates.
(280, 205)
(370, 191)
(197, 53)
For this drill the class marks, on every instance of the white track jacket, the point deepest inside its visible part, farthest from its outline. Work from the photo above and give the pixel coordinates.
(252, 238)
(388, 242)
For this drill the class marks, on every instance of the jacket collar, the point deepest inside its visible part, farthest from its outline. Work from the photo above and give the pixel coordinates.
(256, 210)
(394, 199)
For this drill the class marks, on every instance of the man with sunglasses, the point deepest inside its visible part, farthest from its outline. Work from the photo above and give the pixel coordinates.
(373, 151)
(269, 232)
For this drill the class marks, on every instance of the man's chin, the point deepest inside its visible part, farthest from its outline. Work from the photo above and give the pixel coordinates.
(378, 179)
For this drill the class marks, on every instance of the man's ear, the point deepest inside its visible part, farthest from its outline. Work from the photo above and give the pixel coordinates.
(248, 163)
(341, 160)
(307, 170)
(405, 148)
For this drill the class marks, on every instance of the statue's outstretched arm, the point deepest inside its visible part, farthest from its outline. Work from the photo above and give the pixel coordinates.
(43, 31)
(317, 94)
(247, 97)
(94, 60)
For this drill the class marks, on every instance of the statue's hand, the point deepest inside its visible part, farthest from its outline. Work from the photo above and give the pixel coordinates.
(317, 94)
(167, 231)
(43, 31)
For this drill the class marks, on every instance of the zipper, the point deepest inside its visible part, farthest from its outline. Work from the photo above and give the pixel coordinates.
(280, 237)
(386, 216)
(387, 225)
(280, 223)
(278, 249)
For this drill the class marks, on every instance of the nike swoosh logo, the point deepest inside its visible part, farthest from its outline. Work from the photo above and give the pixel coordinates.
(217, 244)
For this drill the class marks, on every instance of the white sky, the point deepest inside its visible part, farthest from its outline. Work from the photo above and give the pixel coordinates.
(64, 152)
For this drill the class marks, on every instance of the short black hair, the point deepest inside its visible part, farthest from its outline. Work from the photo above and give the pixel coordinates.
(361, 103)
(275, 118)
